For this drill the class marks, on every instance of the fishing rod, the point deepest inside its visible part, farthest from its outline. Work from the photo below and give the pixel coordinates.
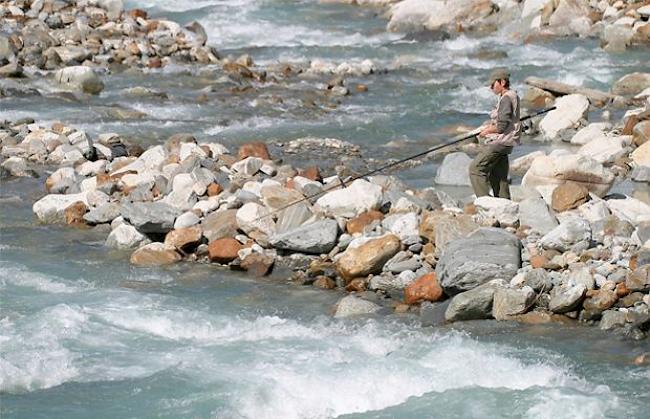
(465, 137)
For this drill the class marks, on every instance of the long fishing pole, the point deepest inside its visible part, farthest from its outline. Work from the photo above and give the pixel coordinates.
(465, 137)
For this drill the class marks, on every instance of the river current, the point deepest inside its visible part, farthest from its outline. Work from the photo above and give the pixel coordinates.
(84, 334)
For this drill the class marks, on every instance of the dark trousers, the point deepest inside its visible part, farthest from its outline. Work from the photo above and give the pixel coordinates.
(489, 169)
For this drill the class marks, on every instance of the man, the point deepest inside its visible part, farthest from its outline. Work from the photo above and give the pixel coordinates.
(489, 169)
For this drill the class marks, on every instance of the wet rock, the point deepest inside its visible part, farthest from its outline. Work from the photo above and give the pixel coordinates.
(103, 214)
(612, 319)
(349, 202)
(534, 213)
(125, 236)
(314, 238)
(485, 254)
(571, 109)
(510, 302)
(454, 170)
(258, 264)
(51, 208)
(357, 224)
(566, 297)
(220, 224)
(224, 250)
(559, 169)
(150, 217)
(80, 77)
(368, 258)
(352, 305)
(474, 304)
(184, 239)
(155, 254)
(538, 280)
(17, 166)
(504, 211)
(600, 301)
(631, 84)
(568, 196)
(425, 288)
(570, 232)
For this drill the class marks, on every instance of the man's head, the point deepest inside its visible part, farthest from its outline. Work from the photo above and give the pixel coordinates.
(499, 80)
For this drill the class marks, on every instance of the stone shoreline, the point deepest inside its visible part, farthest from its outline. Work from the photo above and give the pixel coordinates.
(563, 250)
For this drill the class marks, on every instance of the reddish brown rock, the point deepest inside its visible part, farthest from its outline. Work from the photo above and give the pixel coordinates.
(368, 258)
(538, 261)
(137, 13)
(257, 264)
(214, 189)
(74, 213)
(568, 196)
(311, 173)
(184, 239)
(155, 254)
(58, 127)
(224, 250)
(643, 359)
(324, 282)
(470, 209)
(356, 225)
(426, 288)
(621, 290)
(600, 301)
(154, 62)
(254, 150)
(356, 285)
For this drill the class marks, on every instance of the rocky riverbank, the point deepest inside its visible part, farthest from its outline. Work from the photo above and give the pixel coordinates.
(563, 250)
(618, 24)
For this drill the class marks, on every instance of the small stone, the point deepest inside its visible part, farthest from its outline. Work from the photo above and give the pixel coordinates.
(352, 305)
(258, 150)
(426, 288)
(368, 258)
(155, 254)
(510, 302)
(568, 196)
(125, 236)
(258, 264)
(357, 224)
(214, 189)
(224, 250)
(324, 283)
(184, 239)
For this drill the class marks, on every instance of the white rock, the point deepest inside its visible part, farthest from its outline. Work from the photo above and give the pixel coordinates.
(533, 7)
(190, 149)
(51, 208)
(503, 210)
(182, 195)
(641, 156)
(402, 225)
(522, 164)
(591, 132)
(630, 209)
(253, 217)
(80, 77)
(594, 211)
(91, 168)
(556, 170)
(206, 206)
(571, 109)
(88, 184)
(187, 219)
(125, 236)
(216, 149)
(571, 231)
(454, 170)
(249, 166)
(606, 149)
(351, 201)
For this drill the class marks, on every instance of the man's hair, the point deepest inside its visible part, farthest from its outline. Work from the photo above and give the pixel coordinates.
(506, 83)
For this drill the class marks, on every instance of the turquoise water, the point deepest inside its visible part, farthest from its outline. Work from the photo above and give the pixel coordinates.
(84, 334)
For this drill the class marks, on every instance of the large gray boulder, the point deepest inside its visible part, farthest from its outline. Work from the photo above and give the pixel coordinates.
(103, 214)
(316, 238)
(485, 254)
(454, 170)
(150, 217)
(566, 297)
(510, 302)
(475, 304)
(534, 213)
(352, 305)
(80, 77)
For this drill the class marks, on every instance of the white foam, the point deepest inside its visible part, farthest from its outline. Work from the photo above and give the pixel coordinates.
(19, 276)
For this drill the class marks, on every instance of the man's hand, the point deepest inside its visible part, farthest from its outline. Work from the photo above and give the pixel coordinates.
(490, 129)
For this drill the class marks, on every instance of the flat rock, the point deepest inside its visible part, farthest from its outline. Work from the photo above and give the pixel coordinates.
(485, 254)
(220, 224)
(606, 149)
(314, 238)
(368, 258)
(349, 202)
(352, 305)
(150, 217)
(570, 110)
(474, 304)
(125, 236)
(534, 213)
(509, 302)
(154, 254)
(566, 297)
(571, 231)
(631, 84)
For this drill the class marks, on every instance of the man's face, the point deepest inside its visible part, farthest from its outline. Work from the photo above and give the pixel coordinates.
(497, 87)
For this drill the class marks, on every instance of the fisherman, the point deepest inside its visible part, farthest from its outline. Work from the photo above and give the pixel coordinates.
(489, 169)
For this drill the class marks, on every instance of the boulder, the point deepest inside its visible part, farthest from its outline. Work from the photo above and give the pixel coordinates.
(641, 133)
(249, 166)
(351, 305)
(125, 236)
(571, 109)
(51, 208)
(425, 288)
(17, 166)
(80, 77)
(612, 319)
(510, 302)
(572, 231)
(220, 224)
(276, 197)
(568, 196)
(600, 301)
(184, 239)
(606, 149)
(454, 170)
(368, 258)
(258, 150)
(314, 238)
(257, 264)
(254, 217)
(224, 250)
(351, 201)
(568, 10)
(474, 304)
(103, 214)
(418, 15)
(402, 225)
(505, 211)
(559, 169)
(155, 254)
(591, 132)
(150, 217)
(534, 213)
(293, 216)
(629, 209)
(521, 164)
(641, 156)
(440, 227)
(566, 297)
(639, 279)
(485, 254)
(538, 280)
(631, 84)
